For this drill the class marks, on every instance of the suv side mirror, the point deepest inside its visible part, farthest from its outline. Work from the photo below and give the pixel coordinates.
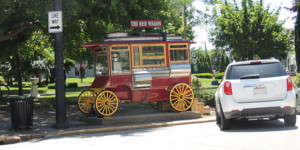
(215, 82)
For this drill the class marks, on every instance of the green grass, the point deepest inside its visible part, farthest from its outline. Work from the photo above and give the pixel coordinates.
(49, 99)
(205, 81)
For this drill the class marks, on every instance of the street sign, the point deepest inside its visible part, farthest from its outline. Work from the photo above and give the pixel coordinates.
(195, 67)
(194, 60)
(55, 21)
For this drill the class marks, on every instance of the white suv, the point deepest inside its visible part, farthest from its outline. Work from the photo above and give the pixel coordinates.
(255, 89)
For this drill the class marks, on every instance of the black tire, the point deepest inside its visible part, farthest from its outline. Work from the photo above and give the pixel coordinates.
(218, 119)
(225, 123)
(290, 120)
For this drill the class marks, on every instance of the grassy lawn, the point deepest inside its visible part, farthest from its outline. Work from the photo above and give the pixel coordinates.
(48, 100)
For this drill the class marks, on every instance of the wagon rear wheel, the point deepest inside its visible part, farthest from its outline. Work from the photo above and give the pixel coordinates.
(154, 104)
(181, 97)
(107, 103)
(85, 101)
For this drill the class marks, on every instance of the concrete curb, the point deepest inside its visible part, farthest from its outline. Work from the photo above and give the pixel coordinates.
(16, 139)
(132, 127)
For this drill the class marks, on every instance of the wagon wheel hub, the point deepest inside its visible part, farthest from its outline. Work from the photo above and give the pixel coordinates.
(107, 103)
(181, 97)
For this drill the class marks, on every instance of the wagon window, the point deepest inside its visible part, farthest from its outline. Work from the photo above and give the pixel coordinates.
(101, 67)
(136, 54)
(120, 62)
(178, 53)
(149, 55)
(153, 51)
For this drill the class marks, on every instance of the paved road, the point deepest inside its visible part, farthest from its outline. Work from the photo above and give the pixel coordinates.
(252, 135)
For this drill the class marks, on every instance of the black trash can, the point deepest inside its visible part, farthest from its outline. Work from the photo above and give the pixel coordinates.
(21, 113)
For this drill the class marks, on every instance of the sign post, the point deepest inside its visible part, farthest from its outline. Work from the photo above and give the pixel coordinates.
(55, 26)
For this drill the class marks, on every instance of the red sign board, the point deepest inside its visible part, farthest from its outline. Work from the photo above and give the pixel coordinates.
(145, 23)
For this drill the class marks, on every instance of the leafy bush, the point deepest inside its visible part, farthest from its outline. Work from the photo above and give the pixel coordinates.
(204, 75)
(219, 75)
(69, 85)
(2, 80)
(51, 86)
(72, 85)
(196, 85)
(208, 100)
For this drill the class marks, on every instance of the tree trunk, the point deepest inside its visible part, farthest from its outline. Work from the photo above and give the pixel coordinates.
(297, 38)
(19, 75)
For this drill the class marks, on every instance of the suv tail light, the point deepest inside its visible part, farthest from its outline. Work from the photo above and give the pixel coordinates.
(227, 88)
(289, 84)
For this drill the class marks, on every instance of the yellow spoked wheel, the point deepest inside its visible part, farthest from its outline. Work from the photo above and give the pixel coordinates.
(85, 101)
(181, 97)
(107, 103)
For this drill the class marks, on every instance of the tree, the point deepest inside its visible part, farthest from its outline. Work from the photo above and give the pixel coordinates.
(250, 31)
(29, 48)
(222, 66)
(84, 21)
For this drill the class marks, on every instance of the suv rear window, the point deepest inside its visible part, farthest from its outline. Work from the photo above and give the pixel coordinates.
(263, 70)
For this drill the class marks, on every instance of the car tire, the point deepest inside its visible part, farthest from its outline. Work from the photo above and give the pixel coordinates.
(225, 123)
(290, 120)
(218, 119)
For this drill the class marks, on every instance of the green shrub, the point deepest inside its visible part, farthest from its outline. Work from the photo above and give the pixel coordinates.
(196, 85)
(2, 81)
(219, 75)
(51, 86)
(204, 75)
(69, 85)
(209, 100)
(72, 85)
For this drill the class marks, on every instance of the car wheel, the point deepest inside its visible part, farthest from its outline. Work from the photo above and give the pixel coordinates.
(290, 120)
(225, 123)
(218, 119)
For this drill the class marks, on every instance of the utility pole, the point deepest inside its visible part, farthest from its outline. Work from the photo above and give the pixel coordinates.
(61, 119)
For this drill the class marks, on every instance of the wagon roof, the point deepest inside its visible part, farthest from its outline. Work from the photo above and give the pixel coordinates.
(124, 38)
(92, 45)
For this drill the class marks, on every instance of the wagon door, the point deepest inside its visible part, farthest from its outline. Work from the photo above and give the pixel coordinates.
(120, 68)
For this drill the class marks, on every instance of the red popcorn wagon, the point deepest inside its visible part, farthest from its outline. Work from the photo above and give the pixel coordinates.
(138, 68)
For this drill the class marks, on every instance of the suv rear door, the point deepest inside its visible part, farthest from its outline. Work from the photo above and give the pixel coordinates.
(258, 82)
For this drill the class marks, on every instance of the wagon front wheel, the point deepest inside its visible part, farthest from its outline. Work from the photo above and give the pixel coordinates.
(85, 101)
(107, 103)
(181, 97)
